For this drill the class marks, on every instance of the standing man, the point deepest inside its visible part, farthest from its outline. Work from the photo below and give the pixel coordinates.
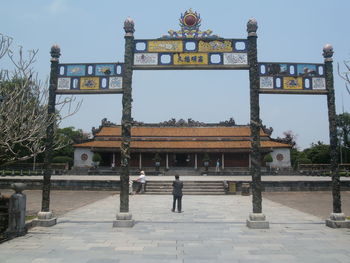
(217, 168)
(177, 194)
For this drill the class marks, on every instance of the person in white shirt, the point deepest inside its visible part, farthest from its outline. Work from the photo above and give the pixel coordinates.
(217, 168)
(142, 183)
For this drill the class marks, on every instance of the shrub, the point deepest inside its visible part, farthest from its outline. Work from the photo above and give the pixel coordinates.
(304, 161)
(268, 158)
(96, 158)
(63, 159)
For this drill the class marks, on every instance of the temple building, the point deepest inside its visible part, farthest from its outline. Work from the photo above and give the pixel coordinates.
(181, 143)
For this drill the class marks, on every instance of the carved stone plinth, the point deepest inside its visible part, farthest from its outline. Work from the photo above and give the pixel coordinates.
(245, 189)
(124, 220)
(257, 221)
(45, 219)
(17, 212)
(337, 220)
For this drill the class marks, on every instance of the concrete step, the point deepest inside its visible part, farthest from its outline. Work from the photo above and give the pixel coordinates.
(190, 187)
(185, 183)
(185, 187)
(185, 190)
(188, 193)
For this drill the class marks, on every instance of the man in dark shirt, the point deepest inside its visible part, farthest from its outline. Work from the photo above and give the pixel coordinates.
(177, 193)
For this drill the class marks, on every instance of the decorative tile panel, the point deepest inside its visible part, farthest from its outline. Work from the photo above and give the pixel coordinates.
(215, 46)
(266, 82)
(76, 70)
(115, 82)
(92, 77)
(104, 70)
(292, 83)
(63, 83)
(319, 83)
(235, 59)
(89, 83)
(146, 59)
(292, 78)
(165, 46)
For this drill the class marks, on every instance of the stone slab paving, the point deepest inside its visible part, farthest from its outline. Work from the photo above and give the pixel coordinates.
(184, 178)
(211, 229)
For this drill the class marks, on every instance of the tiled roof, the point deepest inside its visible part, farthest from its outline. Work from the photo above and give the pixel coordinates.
(179, 131)
(182, 144)
(236, 137)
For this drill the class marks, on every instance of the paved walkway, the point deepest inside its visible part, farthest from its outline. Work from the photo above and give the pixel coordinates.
(184, 178)
(211, 229)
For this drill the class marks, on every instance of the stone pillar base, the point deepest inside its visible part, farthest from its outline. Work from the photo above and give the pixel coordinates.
(337, 220)
(45, 219)
(12, 234)
(124, 220)
(257, 221)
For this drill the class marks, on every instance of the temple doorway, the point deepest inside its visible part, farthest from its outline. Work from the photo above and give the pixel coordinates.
(182, 160)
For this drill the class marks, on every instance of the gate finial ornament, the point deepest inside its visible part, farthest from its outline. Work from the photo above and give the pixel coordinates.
(190, 22)
(252, 27)
(328, 52)
(55, 52)
(129, 26)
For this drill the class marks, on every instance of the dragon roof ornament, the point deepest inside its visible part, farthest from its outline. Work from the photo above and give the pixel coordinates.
(190, 22)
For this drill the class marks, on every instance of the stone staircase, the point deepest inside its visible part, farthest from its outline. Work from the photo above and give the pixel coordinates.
(182, 171)
(190, 188)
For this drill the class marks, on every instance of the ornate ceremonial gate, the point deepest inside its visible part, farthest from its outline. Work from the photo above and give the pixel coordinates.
(190, 48)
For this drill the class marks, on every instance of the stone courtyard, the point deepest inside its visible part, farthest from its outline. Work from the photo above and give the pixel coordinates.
(211, 229)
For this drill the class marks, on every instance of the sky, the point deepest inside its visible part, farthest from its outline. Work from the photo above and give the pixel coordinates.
(90, 31)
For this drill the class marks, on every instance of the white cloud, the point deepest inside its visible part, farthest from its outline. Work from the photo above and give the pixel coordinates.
(57, 6)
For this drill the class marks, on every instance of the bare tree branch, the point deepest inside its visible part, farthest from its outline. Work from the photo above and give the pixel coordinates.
(345, 75)
(23, 107)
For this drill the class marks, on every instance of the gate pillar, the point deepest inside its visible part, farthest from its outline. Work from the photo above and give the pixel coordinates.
(337, 218)
(45, 216)
(256, 219)
(124, 217)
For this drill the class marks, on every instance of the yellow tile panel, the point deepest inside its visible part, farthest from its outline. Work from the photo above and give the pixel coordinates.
(165, 46)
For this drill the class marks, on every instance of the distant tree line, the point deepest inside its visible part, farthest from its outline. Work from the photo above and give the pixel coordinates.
(319, 152)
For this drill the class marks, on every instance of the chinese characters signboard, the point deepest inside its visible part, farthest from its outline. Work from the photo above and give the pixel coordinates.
(191, 53)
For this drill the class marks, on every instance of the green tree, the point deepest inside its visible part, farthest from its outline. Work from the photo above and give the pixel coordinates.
(318, 153)
(68, 137)
(294, 156)
(343, 125)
